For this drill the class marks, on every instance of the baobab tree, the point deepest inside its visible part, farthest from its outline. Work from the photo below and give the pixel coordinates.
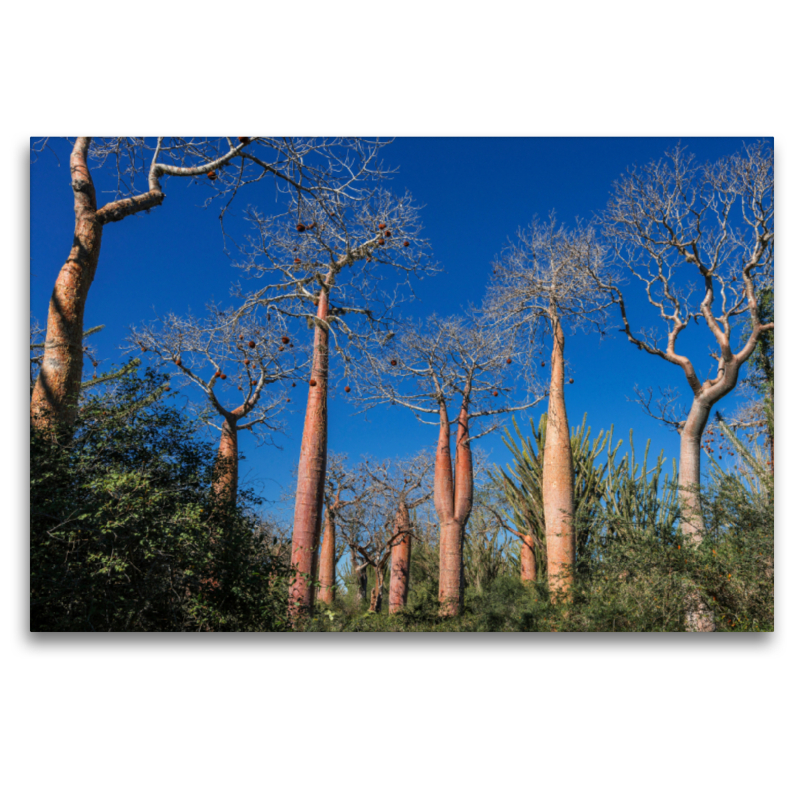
(324, 263)
(344, 487)
(311, 168)
(232, 359)
(714, 221)
(426, 368)
(405, 483)
(548, 275)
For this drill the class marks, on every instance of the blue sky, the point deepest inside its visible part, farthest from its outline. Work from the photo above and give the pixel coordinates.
(476, 193)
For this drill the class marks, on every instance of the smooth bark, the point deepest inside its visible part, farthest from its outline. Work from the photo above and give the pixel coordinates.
(311, 473)
(54, 400)
(55, 395)
(327, 561)
(453, 502)
(558, 479)
(226, 469)
(401, 560)
(527, 558)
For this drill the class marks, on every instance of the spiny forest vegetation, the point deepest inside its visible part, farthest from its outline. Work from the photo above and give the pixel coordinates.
(138, 524)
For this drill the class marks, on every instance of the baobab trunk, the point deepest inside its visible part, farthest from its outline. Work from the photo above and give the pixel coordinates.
(401, 560)
(527, 558)
(327, 561)
(54, 400)
(226, 469)
(557, 479)
(311, 473)
(55, 395)
(453, 501)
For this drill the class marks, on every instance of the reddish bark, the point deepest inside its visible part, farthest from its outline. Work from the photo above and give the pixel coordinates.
(327, 561)
(527, 558)
(226, 469)
(557, 479)
(55, 396)
(401, 560)
(453, 502)
(311, 474)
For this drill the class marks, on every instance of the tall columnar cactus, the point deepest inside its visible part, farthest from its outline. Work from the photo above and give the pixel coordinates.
(522, 489)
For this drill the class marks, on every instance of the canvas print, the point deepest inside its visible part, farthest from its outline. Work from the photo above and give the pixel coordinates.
(362, 384)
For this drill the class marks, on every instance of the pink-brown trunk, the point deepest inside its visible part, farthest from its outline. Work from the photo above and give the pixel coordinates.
(55, 396)
(527, 559)
(401, 560)
(311, 475)
(557, 480)
(453, 501)
(327, 562)
(226, 469)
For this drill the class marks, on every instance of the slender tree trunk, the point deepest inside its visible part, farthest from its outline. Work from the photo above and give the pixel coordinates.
(327, 561)
(55, 395)
(376, 597)
(359, 575)
(401, 560)
(692, 526)
(527, 559)
(226, 469)
(311, 474)
(557, 479)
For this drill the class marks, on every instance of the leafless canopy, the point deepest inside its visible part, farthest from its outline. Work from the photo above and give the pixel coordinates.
(716, 218)
(231, 358)
(549, 272)
(428, 364)
(361, 250)
(333, 167)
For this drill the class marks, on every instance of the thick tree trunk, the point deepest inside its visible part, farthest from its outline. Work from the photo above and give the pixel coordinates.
(453, 501)
(359, 575)
(527, 558)
(557, 479)
(55, 395)
(226, 469)
(327, 561)
(311, 474)
(401, 560)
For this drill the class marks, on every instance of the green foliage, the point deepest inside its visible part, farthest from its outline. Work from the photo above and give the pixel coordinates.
(522, 485)
(637, 571)
(125, 532)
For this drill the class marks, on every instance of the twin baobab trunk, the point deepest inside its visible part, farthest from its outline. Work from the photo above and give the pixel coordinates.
(311, 473)
(54, 400)
(453, 502)
(55, 395)
(401, 560)
(327, 561)
(558, 479)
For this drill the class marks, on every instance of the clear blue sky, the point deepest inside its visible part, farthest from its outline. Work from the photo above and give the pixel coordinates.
(476, 192)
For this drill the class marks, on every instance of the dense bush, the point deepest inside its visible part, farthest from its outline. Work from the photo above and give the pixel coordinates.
(125, 533)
